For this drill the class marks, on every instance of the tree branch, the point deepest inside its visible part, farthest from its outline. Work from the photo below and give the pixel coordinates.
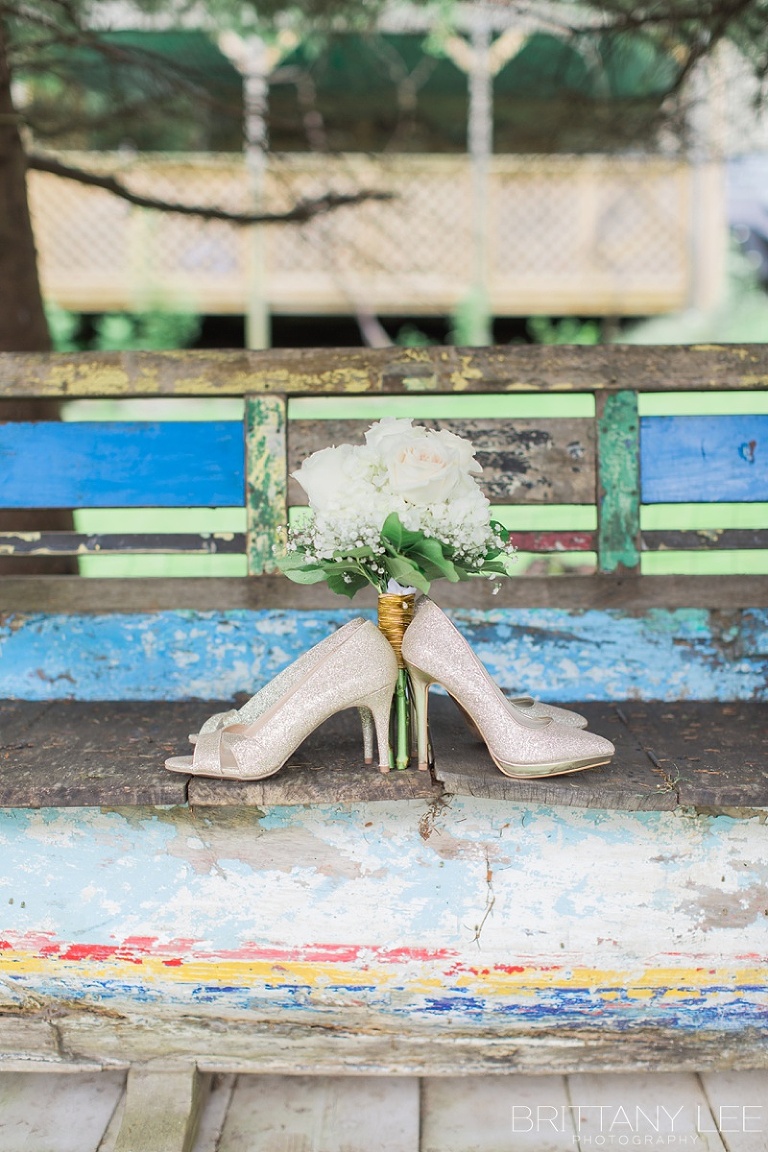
(302, 211)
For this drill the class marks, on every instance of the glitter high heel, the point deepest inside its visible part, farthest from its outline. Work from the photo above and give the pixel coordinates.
(359, 671)
(521, 746)
(282, 683)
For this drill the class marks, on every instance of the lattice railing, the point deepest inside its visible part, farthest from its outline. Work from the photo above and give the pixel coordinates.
(583, 235)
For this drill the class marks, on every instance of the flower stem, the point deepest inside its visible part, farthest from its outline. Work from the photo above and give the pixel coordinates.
(402, 725)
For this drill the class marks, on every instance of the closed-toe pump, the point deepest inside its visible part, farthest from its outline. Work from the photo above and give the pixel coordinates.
(359, 671)
(522, 746)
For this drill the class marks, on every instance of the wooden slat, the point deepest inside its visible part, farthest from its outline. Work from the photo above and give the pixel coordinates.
(49, 1112)
(618, 497)
(162, 1110)
(322, 1114)
(106, 544)
(214, 1114)
(79, 753)
(496, 1114)
(267, 511)
(689, 754)
(122, 464)
(76, 753)
(715, 459)
(238, 1043)
(703, 539)
(559, 368)
(738, 1102)
(555, 541)
(76, 594)
(668, 1107)
(528, 461)
(708, 755)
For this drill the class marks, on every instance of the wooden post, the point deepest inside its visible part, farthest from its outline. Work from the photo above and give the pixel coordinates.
(266, 478)
(618, 496)
(708, 242)
(480, 147)
(162, 1110)
(255, 94)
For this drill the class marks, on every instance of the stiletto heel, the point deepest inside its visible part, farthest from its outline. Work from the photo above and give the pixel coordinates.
(360, 671)
(378, 706)
(367, 724)
(420, 685)
(522, 746)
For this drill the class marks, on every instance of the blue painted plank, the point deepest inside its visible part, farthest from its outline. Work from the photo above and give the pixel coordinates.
(122, 465)
(552, 653)
(712, 459)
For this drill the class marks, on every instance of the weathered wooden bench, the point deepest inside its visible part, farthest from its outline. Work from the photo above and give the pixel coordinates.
(330, 919)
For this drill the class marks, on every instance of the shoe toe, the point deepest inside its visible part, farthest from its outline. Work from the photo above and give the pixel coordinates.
(602, 747)
(179, 763)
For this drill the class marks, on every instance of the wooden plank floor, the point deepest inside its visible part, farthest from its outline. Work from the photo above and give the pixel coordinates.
(73, 1112)
(685, 754)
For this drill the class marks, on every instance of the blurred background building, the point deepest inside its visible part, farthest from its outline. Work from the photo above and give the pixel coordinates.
(531, 175)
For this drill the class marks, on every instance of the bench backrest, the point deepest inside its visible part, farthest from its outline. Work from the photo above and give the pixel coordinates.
(554, 427)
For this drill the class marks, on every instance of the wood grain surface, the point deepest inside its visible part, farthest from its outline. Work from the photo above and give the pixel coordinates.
(710, 459)
(302, 371)
(523, 462)
(635, 593)
(689, 754)
(122, 464)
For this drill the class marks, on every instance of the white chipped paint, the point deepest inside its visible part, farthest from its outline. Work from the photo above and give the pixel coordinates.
(487, 879)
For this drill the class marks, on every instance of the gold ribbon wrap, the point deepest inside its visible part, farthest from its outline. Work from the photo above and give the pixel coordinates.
(395, 614)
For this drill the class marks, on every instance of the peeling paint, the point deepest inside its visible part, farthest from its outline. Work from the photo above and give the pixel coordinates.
(553, 653)
(330, 909)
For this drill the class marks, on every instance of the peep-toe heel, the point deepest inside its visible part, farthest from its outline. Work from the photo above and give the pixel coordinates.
(359, 672)
(262, 700)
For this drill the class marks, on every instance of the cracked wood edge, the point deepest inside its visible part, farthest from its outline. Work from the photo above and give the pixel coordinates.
(220, 1043)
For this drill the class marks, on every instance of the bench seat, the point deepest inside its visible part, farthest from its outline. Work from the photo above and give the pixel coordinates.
(696, 755)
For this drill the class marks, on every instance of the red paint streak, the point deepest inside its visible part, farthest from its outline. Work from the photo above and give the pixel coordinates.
(88, 952)
(176, 953)
(422, 955)
(554, 541)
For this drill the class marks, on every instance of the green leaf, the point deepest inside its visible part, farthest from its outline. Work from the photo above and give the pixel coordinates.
(431, 550)
(292, 560)
(342, 587)
(358, 553)
(406, 574)
(305, 575)
(402, 538)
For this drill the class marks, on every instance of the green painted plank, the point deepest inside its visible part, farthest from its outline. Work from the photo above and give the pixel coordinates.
(618, 439)
(266, 479)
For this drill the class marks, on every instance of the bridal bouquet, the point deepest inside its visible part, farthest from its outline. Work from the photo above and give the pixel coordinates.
(397, 512)
(404, 507)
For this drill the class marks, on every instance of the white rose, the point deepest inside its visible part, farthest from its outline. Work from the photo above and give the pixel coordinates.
(465, 449)
(388, 431)
(336, 477)
(424, 470)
